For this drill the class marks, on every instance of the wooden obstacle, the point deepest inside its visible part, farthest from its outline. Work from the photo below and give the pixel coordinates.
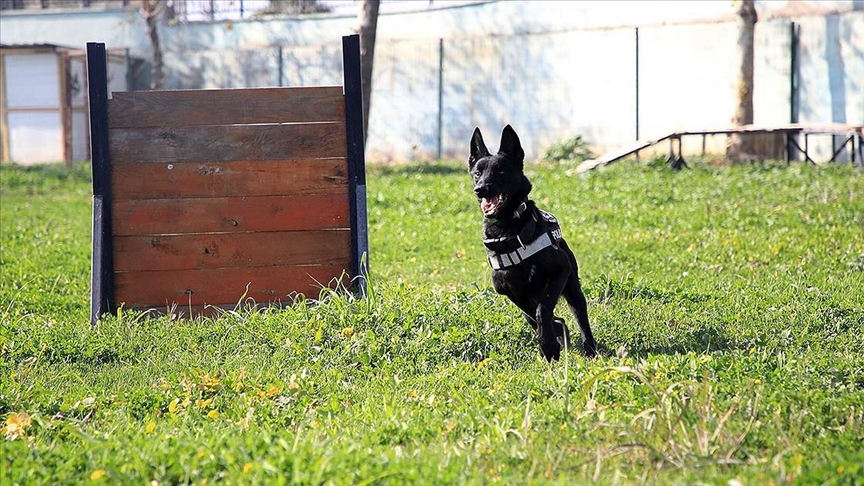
(205, 198)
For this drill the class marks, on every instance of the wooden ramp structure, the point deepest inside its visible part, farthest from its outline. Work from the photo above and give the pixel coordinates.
(853, 138)
(203, 199)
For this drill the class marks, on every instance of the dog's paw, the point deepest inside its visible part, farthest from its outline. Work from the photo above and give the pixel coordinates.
(550, 349)
(590, 348)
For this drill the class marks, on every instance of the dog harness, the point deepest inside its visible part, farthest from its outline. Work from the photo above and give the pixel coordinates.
(539, 232)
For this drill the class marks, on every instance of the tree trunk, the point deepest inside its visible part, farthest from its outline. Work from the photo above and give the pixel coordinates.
(150, 10)
(740, 147)
(368, 27)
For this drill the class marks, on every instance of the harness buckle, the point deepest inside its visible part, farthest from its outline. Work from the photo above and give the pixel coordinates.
(519, 239)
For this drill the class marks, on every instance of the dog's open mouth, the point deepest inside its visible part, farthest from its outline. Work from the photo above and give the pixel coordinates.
(490, 205)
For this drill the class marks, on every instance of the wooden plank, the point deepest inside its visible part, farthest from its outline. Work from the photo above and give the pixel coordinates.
(102, 272)
(226, 143)
(232, 250)
(224, 285)
(226, 179)
(181, 108)
(230, 214)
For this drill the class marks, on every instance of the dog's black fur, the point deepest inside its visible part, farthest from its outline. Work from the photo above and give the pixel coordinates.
(536, 284)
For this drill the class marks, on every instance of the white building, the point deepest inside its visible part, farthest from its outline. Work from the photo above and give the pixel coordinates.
(43, 102)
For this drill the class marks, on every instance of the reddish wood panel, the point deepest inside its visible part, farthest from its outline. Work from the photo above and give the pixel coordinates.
(226, 143)
(179, 108)
(224, 286)
(226, 179)
(233, 250)
(230, 214)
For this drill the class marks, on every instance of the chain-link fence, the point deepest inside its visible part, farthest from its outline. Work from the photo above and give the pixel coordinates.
(610, 86)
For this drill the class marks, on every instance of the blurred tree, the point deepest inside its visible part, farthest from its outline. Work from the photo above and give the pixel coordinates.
(151, 10)
(740, 146)
(368, 28)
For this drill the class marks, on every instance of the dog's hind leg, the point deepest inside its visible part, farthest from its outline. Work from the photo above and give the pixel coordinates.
(579, 306)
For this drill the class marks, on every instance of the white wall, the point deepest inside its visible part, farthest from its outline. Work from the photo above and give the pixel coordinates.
(531, 64)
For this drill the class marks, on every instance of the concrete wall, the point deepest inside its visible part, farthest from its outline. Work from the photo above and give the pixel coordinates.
(551, 69)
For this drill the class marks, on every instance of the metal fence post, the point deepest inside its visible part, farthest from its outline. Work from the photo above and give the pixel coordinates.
(794, 31)
(281, 67)
(440, 96)
(637, 84)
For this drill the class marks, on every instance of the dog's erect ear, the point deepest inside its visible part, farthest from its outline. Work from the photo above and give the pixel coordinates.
(510, 144)
(478, 148)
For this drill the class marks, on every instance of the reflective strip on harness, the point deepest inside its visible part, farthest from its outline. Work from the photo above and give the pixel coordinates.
(515, 257)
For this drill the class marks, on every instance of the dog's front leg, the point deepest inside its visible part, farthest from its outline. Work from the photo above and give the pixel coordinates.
(549, 345)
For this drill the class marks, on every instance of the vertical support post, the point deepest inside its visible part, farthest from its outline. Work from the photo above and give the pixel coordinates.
(130, 77)
(440, 96)
(281, 67)
(356, 159)
(5, 153)
(65, 106)
(793, 86)
(637, 83)
(102, 276)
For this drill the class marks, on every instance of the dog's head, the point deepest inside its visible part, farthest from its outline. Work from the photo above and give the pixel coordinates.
(499, 183)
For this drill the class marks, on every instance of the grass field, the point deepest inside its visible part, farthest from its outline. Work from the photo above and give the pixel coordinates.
(728, 304)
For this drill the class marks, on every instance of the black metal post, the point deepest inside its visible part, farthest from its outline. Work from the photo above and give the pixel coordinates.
(102, 276)
(356, 159)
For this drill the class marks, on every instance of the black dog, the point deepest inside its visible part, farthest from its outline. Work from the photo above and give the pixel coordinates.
(532, 265)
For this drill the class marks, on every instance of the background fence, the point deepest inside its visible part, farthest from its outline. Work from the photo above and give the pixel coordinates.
(429, 94)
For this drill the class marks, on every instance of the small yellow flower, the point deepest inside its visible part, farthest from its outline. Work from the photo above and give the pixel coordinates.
(273, 390)
(205, 403)
(97, 474)
(151, 426)
(412, 395)
(172, 407)
(247, 467)
(209, 383)
(348, 332)
(16, 425)
(213, 414)
(201, 454)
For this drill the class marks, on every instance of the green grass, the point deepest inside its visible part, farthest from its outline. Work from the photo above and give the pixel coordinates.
(728, 303)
